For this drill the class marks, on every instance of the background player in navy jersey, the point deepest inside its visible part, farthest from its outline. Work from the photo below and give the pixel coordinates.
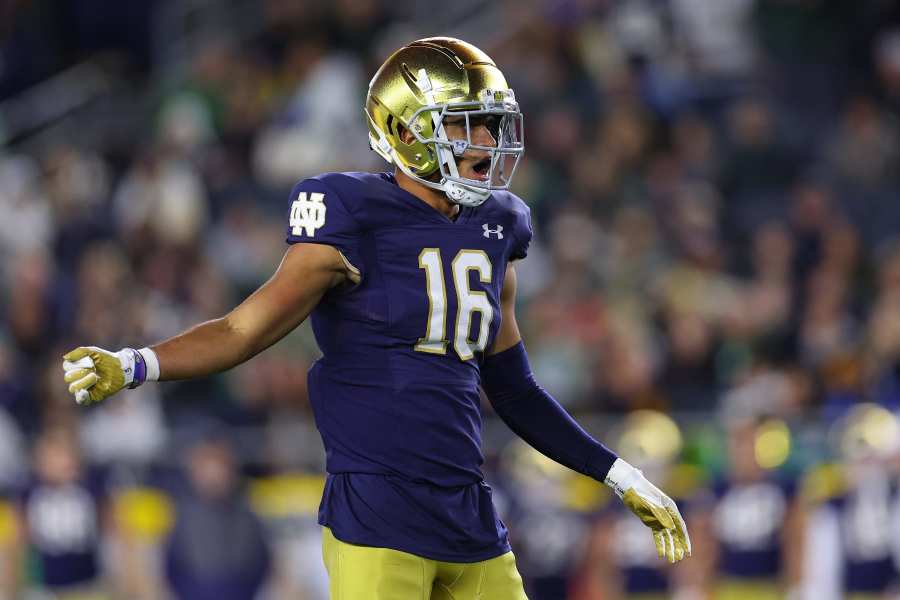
(63, 515)
(619, 563)
(759, 555)
(855, 511)
(409, 281)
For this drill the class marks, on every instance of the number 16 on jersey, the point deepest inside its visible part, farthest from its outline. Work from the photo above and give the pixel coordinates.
(468, 302)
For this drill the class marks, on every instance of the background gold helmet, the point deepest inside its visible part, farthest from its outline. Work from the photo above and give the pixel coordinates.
(868, 432)
(416, 88)
(649, 439)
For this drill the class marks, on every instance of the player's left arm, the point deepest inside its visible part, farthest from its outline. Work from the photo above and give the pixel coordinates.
(536, 417)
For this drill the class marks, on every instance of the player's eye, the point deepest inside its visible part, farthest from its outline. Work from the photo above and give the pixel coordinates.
(489, 122)
(492, 123)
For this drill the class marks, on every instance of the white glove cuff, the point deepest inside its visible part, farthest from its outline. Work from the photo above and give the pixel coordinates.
(622, 477)
(152, 364)
(126, 359)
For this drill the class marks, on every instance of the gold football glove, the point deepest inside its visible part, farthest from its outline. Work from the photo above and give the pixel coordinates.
(94, 374)
(655, 510)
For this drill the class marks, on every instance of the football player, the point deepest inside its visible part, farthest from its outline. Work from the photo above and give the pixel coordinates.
(755, 517)
(409, 279)
(63, 517)
(855, 511)
(624, 565)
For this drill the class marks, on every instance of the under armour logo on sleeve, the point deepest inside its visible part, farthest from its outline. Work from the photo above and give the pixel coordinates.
(488, 232)
(308, 213)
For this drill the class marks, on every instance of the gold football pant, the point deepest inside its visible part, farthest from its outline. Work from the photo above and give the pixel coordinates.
(366, 573)
(81, 592)
(748, 589)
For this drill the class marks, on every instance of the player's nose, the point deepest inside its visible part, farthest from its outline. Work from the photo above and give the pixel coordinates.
(481, 136)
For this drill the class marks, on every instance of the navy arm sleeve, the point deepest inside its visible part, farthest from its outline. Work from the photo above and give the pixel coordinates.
(536, 417)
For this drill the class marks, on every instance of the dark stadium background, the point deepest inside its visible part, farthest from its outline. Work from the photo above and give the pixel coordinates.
(716, 197)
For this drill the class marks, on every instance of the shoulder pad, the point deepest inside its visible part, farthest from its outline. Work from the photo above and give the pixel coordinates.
(509, 202)
(513, 210)
(349, 185)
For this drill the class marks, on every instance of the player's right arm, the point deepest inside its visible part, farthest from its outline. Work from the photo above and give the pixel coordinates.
(305, 274)
(536, 417)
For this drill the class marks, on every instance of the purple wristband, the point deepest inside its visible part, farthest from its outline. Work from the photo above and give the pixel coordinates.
(140, 369)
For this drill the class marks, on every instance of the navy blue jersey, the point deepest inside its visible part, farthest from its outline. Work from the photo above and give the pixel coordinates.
(865, 515)
(396, 392)
(63, 524)
(749, 519)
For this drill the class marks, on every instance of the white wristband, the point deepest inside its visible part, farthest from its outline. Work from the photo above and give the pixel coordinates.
(622, 477)
(152, 363)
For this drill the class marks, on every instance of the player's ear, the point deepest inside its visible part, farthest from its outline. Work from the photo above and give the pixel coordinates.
(406, 136)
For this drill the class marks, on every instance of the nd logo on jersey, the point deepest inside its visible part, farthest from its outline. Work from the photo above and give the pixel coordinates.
(308, 212)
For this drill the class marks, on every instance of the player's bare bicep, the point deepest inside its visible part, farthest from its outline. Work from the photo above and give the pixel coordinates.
(306, 272)
(509, 335)
(324, 263)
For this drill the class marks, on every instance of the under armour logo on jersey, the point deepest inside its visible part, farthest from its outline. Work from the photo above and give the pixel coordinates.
(488, 232)
(308, 212)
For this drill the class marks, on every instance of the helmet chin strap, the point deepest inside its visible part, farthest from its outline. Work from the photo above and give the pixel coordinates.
(456, 192)
(464, 195)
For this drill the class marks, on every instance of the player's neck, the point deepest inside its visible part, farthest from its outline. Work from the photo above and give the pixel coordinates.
(433, 198)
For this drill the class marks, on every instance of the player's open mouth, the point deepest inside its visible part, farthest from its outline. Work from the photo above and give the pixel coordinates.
(482, 167)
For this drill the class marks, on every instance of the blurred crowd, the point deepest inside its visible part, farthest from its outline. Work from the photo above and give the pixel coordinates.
(714, 186)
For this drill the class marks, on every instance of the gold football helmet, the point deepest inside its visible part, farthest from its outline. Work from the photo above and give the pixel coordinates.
(416, 89)
(868, 432)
